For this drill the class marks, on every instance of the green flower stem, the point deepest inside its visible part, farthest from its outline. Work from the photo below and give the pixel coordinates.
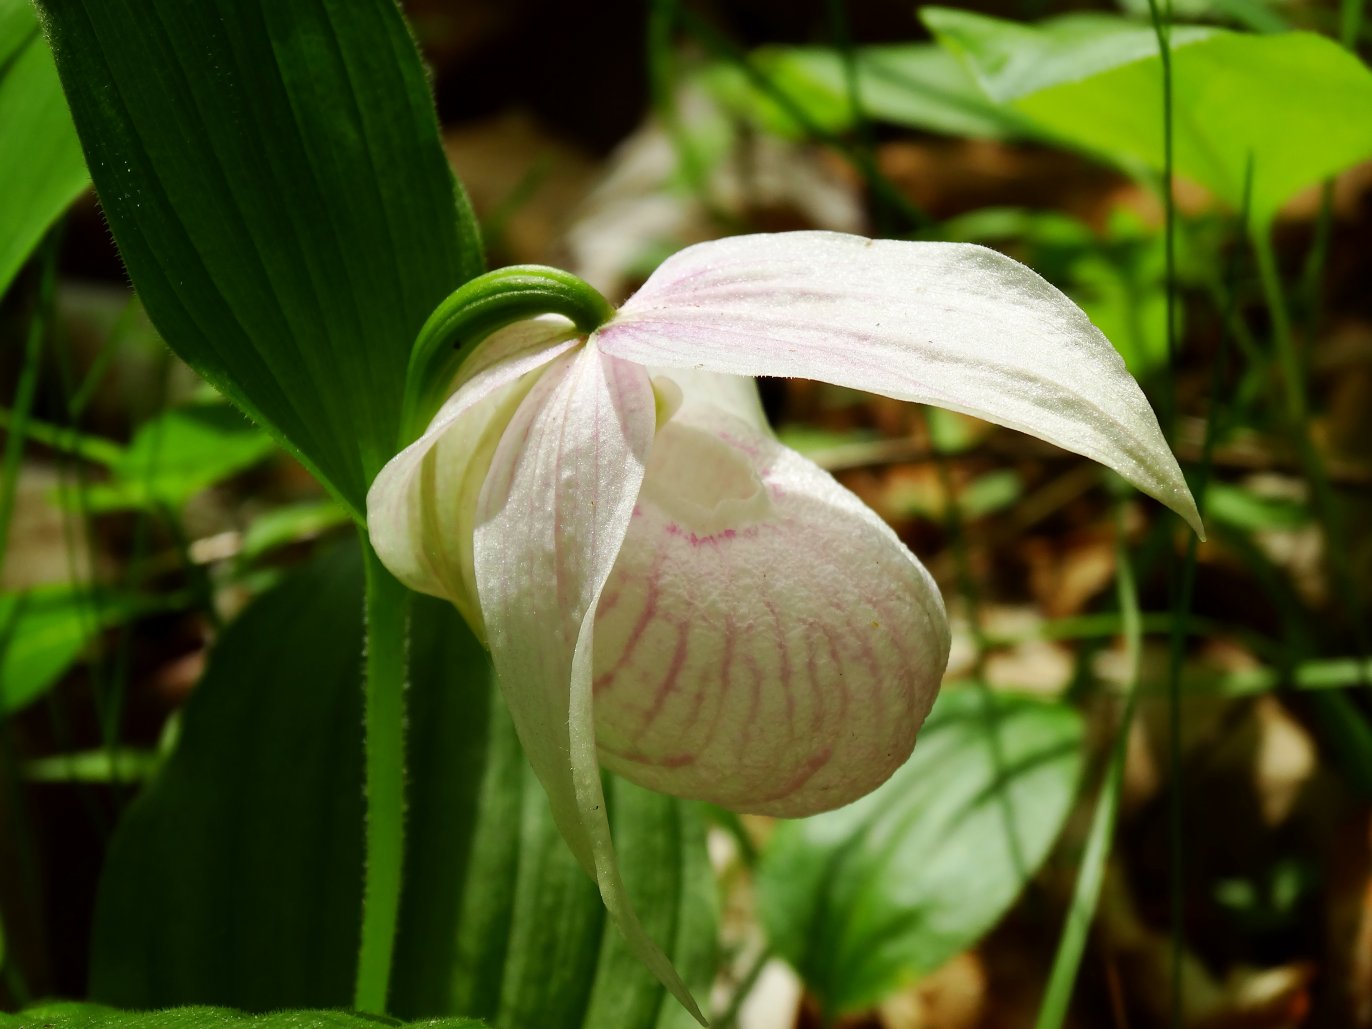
(387, 613)
(474, 311)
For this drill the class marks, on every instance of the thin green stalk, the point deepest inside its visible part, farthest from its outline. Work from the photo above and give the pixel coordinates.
(25, 392)
(883, 190)
(967, 586)
(112, 692)
(729, 1019)
(61, 438)
(1162, 28)
(388, 605)
(1072, 945)
(662, 18)
(1288, 360)
(866, 141)
(1298, 417)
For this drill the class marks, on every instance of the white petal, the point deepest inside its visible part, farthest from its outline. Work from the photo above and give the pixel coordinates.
(551, 519)
(421, 508)
(765, 641)
(950, 324)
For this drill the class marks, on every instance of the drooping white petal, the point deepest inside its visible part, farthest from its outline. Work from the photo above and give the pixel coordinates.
(765, 641)
(950, 324)
(421, 508)
(552, 515)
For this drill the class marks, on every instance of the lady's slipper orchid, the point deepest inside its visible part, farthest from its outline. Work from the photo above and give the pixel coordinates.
(667, 590)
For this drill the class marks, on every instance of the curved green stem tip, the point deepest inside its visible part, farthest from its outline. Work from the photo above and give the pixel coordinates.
(476, 310)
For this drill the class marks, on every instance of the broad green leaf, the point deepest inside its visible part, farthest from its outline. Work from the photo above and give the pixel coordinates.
(43, 632)
(236, 877)
(918, 85)
(867, 898)
(179, 453)
(97, 1016)
(1298, 104)
(273, 176)
(41, 167)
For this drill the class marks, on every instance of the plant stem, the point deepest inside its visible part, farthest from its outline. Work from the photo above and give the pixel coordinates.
(1162, 28)
(26, 391)
(384, 753)
(884, 191)
(1085, 895)
(1298, 417)
(729, 1019)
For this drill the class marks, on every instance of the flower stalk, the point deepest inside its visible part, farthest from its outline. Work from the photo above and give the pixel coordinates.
(387, 613)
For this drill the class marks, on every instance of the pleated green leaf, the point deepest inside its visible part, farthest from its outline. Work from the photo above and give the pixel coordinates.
(236, 878)
(1297, 104)
(866, 899)
(41, 167)
(95, 1016)
(273, 176)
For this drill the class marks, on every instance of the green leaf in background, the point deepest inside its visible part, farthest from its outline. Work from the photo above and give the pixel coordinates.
(236, 878)
(273, 176)
(292, 523)
(918, 85)
(179, 453)
(865, 899)
(43, 631)
(1298, 104)
(95, 1016)
(41, 167)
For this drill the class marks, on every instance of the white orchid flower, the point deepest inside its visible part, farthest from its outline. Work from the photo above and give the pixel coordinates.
(669, 592)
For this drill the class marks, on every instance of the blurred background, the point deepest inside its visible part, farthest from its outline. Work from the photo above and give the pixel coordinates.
(140, 515)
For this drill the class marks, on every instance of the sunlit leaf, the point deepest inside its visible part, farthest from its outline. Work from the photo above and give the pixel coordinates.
(867, 898)
(236, 877)
(917, 85)
(1298, 104)
(273, 176)
(41, 167)
(43, 632)
(179, 453)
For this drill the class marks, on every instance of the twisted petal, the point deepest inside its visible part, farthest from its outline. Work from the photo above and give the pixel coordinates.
(421, 508)
(950, 324)
(765, 641)
(550, 521)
